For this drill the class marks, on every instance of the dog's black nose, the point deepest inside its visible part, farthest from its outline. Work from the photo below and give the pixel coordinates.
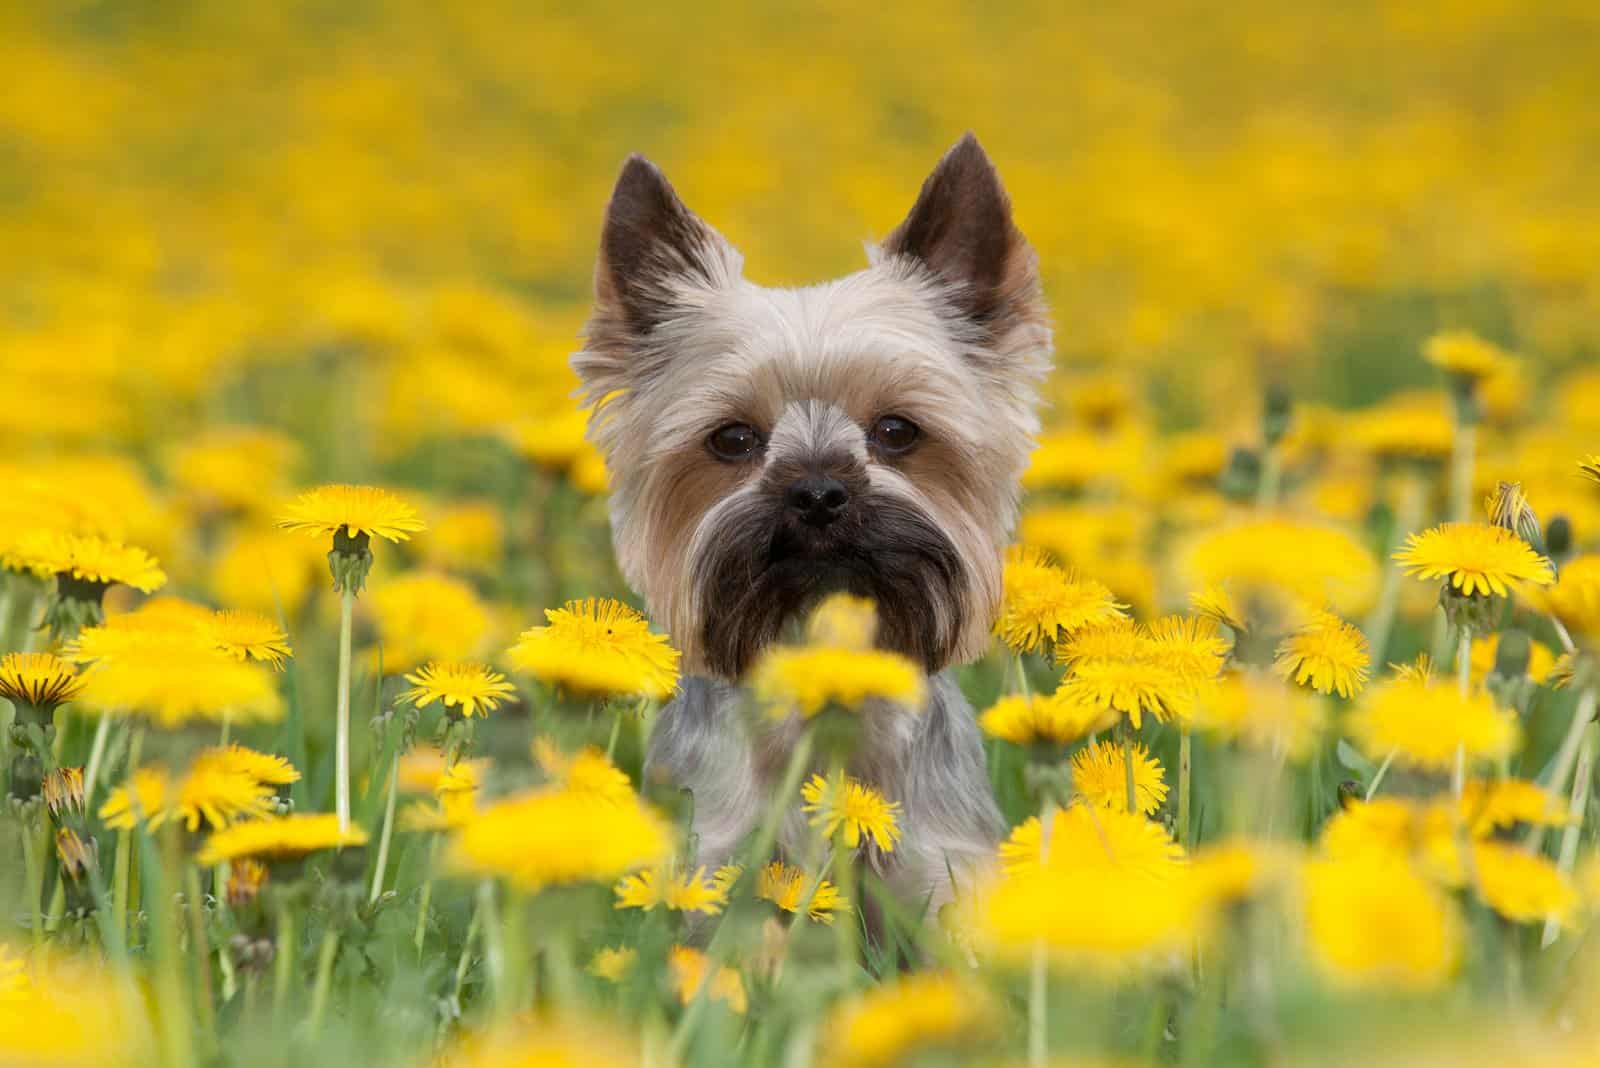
(818, 500)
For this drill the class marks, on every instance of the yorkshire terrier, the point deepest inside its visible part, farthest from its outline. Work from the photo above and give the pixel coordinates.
(768, 447)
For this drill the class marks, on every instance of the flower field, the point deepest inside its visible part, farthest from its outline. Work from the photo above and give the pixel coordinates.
(324, 703)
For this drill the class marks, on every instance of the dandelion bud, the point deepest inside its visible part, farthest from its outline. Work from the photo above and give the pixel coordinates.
(1242, 475)
(1558, 536)
(1512, 654)
(1276, 415)
(1509, 509)
(350, 560)
(244, 882)
(1350, 792)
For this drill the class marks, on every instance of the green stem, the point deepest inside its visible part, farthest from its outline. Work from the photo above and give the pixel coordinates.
(283, 971)
(33, 845)
(383, 838)
(1411, 499)
(1039, 973)
(426, 897)
(1127, 763)
(347, 604)
(1565, 756)
(494, 949)
(1185, 762)
(1577, 805)
(1271, 476)
(119, 891)
(325, 958)
(1461, 467)
(1377, 779)
(1458, 778)
(616, 730)
(473, 926)
(97, 752)
(200, 949)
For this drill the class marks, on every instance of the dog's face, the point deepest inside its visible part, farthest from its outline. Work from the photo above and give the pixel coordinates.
(767, 447)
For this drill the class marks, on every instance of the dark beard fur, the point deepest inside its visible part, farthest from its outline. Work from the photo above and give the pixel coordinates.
(768, 571)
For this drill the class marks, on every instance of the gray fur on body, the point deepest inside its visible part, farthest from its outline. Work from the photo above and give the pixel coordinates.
(931, 762)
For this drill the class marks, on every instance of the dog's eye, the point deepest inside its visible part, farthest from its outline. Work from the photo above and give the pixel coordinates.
(736, 441)
(894, 435)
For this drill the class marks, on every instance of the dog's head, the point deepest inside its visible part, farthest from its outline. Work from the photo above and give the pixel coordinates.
(767, 447)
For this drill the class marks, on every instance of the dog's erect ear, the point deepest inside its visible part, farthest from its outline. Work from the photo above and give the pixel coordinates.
(961, 229)
(652, 248)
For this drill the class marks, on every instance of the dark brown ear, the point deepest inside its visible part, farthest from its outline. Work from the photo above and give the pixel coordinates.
(650, 248)
(961, 229)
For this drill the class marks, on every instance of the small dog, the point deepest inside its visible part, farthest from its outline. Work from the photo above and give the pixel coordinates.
(768, 447)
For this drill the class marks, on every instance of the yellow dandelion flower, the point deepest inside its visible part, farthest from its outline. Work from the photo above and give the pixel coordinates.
(464, 536)
(1372, 922)
(788, 888)
(1423, 835)
(1190, 647)
(473, 689)
(1575, 597)
(452, 809)
(612, 963)
(1132, 687)
(280, 837)
(907, 1017)
(1099, 776)
(215, 790)
(426, 615)
(1263, 712)
(552, 836)
(266, 569)
(39, 680)
(422, 769)
(142, 798)
(355, 510)
(1085, 837)
(1463, 353)
(176, 689)
(562, 1041)
(843, 621)
(1110, 897)
(1424, 724)
(852, 809)
(1521, 886)
(246, 635)
(598, 646)
(263, 767)
(587, 772)
(688, 970)
(1278, 564)
(1474, 558)
(1327, 654)
(679, 892)
(233, 468)
(1040, 601)
(1055, 718)
(91, 559)
(1488, 805)
(69, 1014)
(1411, 426)
(809, 679)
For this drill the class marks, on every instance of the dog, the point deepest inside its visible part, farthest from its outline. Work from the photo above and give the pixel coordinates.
(767, 447)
